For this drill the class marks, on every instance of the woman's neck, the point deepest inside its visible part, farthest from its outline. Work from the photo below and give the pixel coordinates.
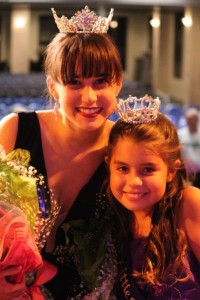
(76, 137)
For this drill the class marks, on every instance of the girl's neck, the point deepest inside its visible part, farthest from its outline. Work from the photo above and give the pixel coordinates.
(141, 225)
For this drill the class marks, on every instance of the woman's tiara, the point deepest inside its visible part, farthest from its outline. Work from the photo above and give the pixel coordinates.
(138, 110)
(84, 21)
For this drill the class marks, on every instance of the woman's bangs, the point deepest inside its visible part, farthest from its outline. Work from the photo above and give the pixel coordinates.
(87, 62)
(94, 61)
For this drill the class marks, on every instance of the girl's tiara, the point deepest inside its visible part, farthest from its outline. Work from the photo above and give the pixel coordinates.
(138, 110)
(84, 21)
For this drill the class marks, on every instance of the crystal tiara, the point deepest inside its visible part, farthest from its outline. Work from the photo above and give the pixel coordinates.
(138, 110)
(84, 21)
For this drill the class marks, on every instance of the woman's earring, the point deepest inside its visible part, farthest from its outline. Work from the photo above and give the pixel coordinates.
(56, 108)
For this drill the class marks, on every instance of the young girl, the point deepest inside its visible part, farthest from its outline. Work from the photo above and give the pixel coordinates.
(148, 177)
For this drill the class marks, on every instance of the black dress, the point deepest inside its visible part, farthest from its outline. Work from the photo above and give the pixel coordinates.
(90, 220)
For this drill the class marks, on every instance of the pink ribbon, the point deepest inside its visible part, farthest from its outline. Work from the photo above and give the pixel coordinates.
(45, 273)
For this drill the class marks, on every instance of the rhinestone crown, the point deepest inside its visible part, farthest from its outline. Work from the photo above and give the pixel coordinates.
(84, 21)
(138, 110)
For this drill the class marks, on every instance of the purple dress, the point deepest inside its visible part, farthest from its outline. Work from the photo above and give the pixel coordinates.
(189, 290)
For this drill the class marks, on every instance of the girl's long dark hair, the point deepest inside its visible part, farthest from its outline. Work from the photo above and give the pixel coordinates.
(166, 247)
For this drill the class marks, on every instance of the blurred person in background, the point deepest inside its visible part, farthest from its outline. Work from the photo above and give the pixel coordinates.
(189, 136)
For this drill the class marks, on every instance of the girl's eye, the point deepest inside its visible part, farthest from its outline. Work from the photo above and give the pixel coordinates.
(148, 170)
(122, 169)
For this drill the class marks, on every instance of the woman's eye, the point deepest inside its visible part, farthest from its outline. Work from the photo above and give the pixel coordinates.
(74, 82)
(101, 81)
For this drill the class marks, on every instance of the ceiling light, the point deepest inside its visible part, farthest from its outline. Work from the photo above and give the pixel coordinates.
(20, 22)
(155, 22)
(187, 21)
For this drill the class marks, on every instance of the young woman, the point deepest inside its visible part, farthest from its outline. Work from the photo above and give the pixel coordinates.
(67, 145)
(148, 178)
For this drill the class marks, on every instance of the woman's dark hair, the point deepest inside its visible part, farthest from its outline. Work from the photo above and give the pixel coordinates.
(96, 54)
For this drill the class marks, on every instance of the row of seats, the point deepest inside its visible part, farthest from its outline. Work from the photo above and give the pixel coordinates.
(22, 85)
(23, 92)
(11, 104)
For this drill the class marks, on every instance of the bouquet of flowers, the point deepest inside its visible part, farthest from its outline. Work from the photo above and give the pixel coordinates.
(27, 213)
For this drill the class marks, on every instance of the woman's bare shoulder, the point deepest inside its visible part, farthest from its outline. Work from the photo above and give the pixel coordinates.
(46, 115)
(8, 131)
(8, 118)
(9, 128)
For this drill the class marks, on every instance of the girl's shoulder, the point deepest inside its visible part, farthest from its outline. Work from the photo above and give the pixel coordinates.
(191, 195)
(189, 218)
(190, 204)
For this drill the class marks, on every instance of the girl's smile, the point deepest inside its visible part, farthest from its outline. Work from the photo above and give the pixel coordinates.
(134, 196)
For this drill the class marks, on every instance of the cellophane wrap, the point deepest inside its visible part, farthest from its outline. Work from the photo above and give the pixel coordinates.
(28, 209)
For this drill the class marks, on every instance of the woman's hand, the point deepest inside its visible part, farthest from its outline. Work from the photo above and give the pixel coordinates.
(8, 290)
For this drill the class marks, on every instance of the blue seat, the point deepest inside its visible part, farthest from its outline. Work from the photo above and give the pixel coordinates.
(174, 112)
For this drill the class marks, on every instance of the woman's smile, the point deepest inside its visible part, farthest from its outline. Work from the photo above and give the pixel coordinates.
(89, 112)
